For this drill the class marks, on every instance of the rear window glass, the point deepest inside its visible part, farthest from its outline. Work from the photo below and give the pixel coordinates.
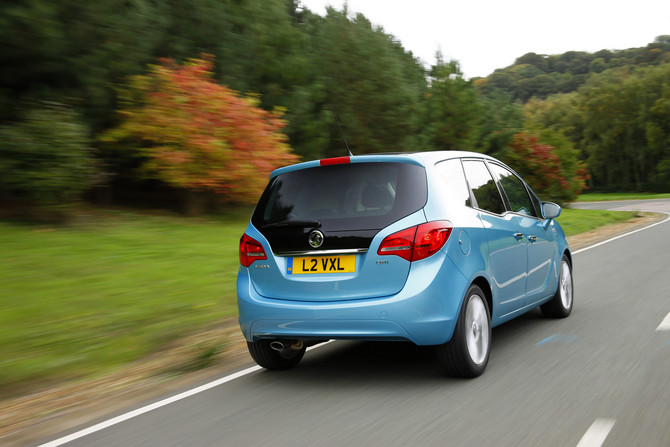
(351, 196)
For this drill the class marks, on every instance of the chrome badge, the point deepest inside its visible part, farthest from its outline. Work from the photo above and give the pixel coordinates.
(315, 239)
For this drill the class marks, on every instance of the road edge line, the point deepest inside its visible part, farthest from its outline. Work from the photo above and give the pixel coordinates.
(626, 234)
(147, 408)
(156, 405)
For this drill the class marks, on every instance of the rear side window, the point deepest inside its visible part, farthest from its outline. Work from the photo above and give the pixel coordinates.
(515, 190)
(454, 181)
(352, 196)
(483, 187)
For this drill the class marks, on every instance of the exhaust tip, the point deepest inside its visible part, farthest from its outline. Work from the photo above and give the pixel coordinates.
(277, 345)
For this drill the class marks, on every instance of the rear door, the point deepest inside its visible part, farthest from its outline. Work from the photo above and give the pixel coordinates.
(507, 244)
(540, 241)
(324, 224)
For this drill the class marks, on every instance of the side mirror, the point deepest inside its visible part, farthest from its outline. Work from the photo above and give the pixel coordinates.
(550, 210)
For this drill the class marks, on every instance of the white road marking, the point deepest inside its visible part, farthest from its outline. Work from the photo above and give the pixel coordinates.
(170, 400)
(596, 434)
(624, 235)
(585, 442)
(665, 324)
(148, 408)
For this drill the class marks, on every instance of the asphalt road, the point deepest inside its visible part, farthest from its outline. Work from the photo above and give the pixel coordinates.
(599, 377)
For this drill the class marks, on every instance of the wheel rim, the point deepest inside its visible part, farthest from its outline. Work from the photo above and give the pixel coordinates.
(566, 285)
(477, 329)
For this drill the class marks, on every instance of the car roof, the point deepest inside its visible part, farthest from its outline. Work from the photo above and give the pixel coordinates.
(417, 158)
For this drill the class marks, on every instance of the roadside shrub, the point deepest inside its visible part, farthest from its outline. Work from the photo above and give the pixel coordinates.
(552, 170)
(46, 163)
(204, 139)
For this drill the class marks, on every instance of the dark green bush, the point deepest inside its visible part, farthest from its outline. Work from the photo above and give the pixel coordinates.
(46, 163)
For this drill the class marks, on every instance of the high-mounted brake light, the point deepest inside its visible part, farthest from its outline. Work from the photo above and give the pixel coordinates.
(334, 161)
(416, 243)
(250, 250)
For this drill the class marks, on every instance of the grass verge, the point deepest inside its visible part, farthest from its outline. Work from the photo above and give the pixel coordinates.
(115, 287)
(81, 300)
(575, 221)
(620, 196)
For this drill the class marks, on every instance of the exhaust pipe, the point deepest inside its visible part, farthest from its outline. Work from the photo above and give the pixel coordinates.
(279, 345)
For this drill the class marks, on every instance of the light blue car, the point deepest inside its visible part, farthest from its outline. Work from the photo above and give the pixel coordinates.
(435, 248)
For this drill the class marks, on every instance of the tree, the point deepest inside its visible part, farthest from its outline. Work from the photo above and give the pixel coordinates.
(453, 109)
(542, 168)
(72, 51)
(625, 126)
(370, 81)
(199, 136)
(46, 162)
(501, 120)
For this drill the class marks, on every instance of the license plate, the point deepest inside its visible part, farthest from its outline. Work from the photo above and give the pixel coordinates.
(321, 264)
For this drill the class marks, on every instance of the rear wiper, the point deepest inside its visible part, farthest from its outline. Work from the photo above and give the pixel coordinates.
(293, 223)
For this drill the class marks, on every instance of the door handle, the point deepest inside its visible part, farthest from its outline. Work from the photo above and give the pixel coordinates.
(532, 238)
(519, 236)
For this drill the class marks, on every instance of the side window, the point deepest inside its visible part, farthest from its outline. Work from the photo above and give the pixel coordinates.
(483, 186)
(454, 181)
(515, 190)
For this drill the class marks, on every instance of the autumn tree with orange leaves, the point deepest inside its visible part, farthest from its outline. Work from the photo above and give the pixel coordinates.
(198, 136)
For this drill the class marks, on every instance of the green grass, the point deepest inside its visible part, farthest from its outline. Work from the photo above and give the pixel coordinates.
(620, 196)
(580, 221)
(82, 300)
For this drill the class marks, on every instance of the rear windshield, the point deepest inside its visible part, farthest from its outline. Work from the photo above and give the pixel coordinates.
(354, 196)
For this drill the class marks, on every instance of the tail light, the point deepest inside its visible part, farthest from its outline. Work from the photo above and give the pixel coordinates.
(250, 250)
(334, 161)
(416, 243)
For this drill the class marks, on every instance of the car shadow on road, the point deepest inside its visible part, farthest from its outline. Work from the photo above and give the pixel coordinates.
(383, 362)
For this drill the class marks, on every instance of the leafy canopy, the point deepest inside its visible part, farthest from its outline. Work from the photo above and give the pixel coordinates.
(539, 163)
(200, 136)
(46, 161)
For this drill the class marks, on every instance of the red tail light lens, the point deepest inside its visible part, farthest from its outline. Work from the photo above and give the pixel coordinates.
(250, 250)
(430, 238)
(399, 244)
(416, 243)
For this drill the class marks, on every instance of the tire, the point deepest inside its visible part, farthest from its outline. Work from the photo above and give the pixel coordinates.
(271, 359)
(560, 306)
(467, 353)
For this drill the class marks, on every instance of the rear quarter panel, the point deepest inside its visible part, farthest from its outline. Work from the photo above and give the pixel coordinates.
(467, 246)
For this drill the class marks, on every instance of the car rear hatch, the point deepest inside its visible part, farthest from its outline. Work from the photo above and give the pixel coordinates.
(324, 223)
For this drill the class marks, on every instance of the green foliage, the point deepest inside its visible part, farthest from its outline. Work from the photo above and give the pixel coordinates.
(45, 160)
(575, 221)
(601, 197)
(553, 173)
(199, 136)
(619, 121)
(72, 51)
(453, 108)
(111, 288)
(539, 76)
(626, 132)
(373, 85)
(288, 58)
(501, 120)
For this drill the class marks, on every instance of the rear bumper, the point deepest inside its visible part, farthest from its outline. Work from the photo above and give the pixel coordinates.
(423, 312)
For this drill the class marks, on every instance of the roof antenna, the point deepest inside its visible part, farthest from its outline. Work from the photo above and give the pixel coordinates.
(341, 132)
